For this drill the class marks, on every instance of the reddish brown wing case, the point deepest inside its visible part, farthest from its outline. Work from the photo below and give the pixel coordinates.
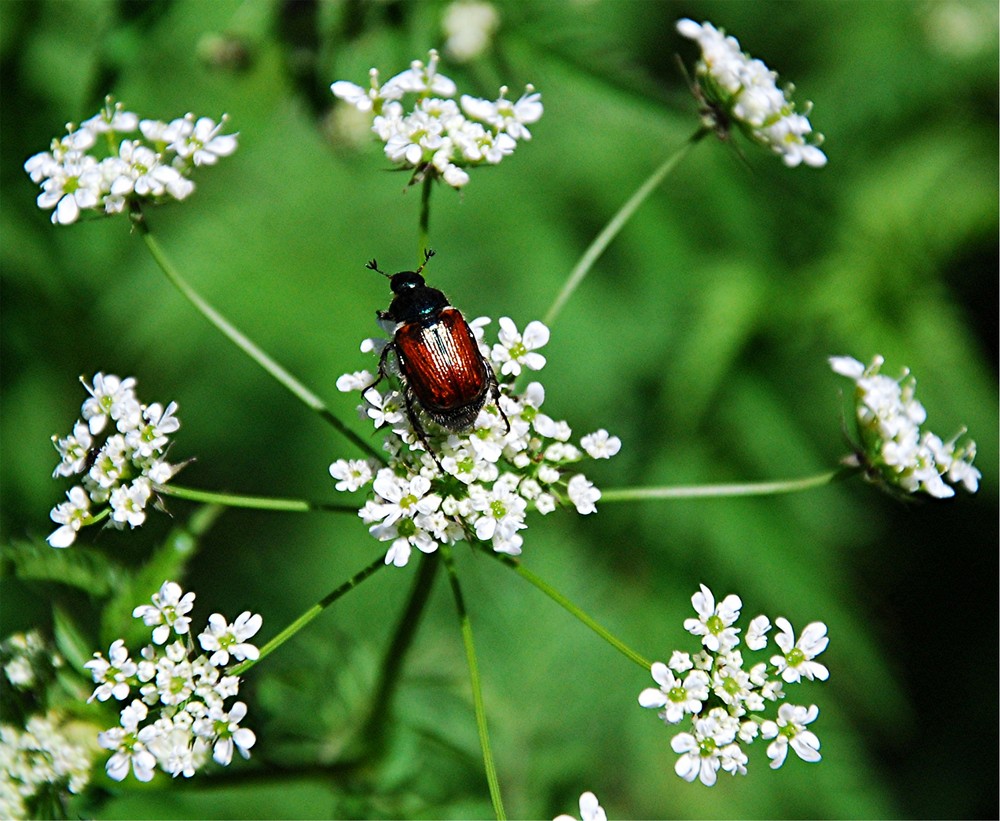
(442, 362)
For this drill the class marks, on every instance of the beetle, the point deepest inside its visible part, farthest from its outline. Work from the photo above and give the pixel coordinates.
(440, 364)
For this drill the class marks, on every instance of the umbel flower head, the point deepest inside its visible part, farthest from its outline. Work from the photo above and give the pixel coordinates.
(720, 697)
(119, 448)
(892, 449)
(478, 484)
(438, 136)
(736, 89)
(46, 748)
(114, 159)
(176, 714)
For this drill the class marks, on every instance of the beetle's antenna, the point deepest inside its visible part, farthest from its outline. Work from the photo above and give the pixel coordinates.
(428, 253)
(372, 265)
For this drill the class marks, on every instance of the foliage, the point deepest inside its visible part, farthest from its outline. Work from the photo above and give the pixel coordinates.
(701, 337)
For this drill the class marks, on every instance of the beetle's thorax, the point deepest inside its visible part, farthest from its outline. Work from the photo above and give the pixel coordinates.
(414, 301)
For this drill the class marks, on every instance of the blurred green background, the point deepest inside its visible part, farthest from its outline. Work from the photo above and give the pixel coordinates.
(700, 338)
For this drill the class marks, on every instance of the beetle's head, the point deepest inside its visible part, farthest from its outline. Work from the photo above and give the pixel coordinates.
(405, 281)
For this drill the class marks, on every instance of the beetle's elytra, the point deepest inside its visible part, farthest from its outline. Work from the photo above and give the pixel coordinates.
(441, 367)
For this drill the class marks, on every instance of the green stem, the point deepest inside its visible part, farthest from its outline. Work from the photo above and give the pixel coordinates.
(610, 231)
(251, 502)
(93, 520)
(395, 655)
(635, 494)
(310, 399)
(571, 608)
(309, 615)
(424, 230)
(477, 691)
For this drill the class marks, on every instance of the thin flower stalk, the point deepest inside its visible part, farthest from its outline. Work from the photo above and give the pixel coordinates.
(244, 343)
(636, 494)
(477, 691)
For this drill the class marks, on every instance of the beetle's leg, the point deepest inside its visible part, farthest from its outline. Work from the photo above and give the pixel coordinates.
(495, 393)
(418, 429)
(496, 399)
(381, 368)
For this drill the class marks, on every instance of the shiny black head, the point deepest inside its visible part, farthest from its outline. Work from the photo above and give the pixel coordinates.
(414, 300)
(405, 281)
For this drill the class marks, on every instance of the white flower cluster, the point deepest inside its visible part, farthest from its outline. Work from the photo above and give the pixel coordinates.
(477, 485)
(152, 167)
(740, 89)
(892, 446)
(122, 468)
(723, 700)
(40, 762)
(28, 660)
(42, 754)
(180, 715)
(439, 136)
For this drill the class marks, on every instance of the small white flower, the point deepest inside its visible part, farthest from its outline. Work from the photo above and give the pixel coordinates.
(700, 753)
(200, 141)
(421, 79)
(714, 624)
(361, 98)
(114, 675)
(756, 636)
(515, 349)
(403, 498)
(73, 185)
(504, 115)
(71, 515)
(110, 464)
(790, 731)
(110, 397)
(351, 474)
(797, 657)
(405, 534)
(175, 677)
(143, 172)
(167, 612)
(590, 810)
(152, 437)
(677, 698)
(222, 639)
(224, 727)
(173, 743)
(113, 117)
(385, 409)
(583, 494)
(733, 685)
(600, 444)
(354, 381)
(73, 451)
(128, 742)
(502, 512)
(128, 502)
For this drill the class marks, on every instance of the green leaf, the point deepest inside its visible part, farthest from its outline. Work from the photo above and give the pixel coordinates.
(167, 563)
(85, 569)
(72, 643)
